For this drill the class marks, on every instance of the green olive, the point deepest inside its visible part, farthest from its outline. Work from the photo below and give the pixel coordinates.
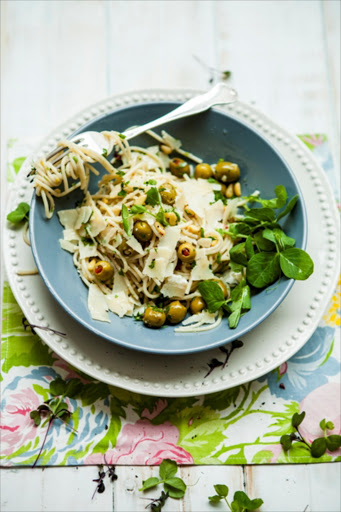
(197, 305)
(176, 312)
(167, 193)
(186, 252)
(227, 172)
(171, 218)
(125, 249)
(179, 167)
(222, 286)
(142, 231)
(103, 270)
(154, 317)
(203, 171)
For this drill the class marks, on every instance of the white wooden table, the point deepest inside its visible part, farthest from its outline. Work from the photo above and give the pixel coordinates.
(57, 57)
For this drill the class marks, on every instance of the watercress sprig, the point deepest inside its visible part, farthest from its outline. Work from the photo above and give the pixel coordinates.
(320, 445)
(55, 408)
(241, 502)
(174, 486)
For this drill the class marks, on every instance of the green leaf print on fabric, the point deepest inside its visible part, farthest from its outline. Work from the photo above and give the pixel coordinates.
(93, 392)
(223, 399)
(262, 457)
(200, 431)
(299, 452)
(25, 351)
(283, 420)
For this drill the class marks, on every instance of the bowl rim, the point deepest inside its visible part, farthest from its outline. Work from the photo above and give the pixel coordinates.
(161, 351)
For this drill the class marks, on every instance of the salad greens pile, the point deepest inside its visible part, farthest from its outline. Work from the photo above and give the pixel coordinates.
(263, 253)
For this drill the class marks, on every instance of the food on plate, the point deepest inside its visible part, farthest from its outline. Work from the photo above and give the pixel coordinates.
(165, 236)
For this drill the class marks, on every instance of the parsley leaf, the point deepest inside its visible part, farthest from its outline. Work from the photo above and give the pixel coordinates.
(125, 219)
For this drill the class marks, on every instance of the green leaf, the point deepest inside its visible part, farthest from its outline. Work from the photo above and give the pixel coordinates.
(137, 209)
(73, 388)
(35, 417)
(237, 229)
(168, 468)
(262, 243)
(57, 387)
(215, 498)
(212, 294)
(244, 501)
(330, 425)
(297, 419)
(19, 214)
(262, 457)
(318, 447)
(333, 442)
(221, 490)
(288, 208)
(296, 264)
(286, 442)
(263, 269)
(175, 487)
(323, 424)
(153, 197)
(125, 219)
(256, 215)
(284, 241)
(149, 483)
(238, 255)
(17, 163)
(249, 247)
(278, 202)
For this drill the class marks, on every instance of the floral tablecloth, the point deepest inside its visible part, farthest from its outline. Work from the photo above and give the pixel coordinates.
(241, 425)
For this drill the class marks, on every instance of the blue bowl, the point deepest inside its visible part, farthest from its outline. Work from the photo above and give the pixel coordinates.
(211, 135)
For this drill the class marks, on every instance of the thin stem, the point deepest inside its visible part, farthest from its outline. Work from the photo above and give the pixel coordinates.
(227, 503)
(42, 446)
(302, 438)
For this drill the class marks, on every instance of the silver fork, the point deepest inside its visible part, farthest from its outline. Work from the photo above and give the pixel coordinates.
(220, 94)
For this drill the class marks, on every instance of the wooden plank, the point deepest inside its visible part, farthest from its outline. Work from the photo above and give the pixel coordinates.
(331, 18)
(53, 64)
(152, 44)
(296, 488)
(52, 490)
(276, 54)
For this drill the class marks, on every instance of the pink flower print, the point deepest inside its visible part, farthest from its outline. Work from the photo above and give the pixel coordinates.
(158, 407)
(143, 443)
(323, 402)
(314, 140)
(283, 369)
(16, 425)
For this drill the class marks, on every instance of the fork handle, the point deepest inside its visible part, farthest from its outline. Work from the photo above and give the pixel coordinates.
(219, 94)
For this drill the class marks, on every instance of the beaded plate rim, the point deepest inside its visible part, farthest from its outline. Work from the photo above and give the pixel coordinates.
(238, 371)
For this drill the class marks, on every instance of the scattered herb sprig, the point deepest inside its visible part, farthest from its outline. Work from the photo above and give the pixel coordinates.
(241, 502)
(20, 213)
(215, 363)
(55, 408)
(33, 327)
(320, 445)
(100, 487)
(174, 487)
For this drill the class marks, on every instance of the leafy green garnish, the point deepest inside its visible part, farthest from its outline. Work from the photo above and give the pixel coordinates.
(241, 502)
(19, 214)
(125, 219)
(174, 486)
(319, 446)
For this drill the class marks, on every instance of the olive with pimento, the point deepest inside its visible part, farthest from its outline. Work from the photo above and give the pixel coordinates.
(179, 167)
(103, 270)
(186, 252)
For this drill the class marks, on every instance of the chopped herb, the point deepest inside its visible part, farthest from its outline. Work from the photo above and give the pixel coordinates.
(104, 152)
(152, 265)
(87, 241)
(75, 159)
(202, 232)
(121, 273)
(122, 193)
(120, 173)
(125, 219)
(152, 182)
(122, 136)
(218, 258)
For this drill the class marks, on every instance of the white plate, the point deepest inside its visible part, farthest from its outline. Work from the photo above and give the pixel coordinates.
(265, 348)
